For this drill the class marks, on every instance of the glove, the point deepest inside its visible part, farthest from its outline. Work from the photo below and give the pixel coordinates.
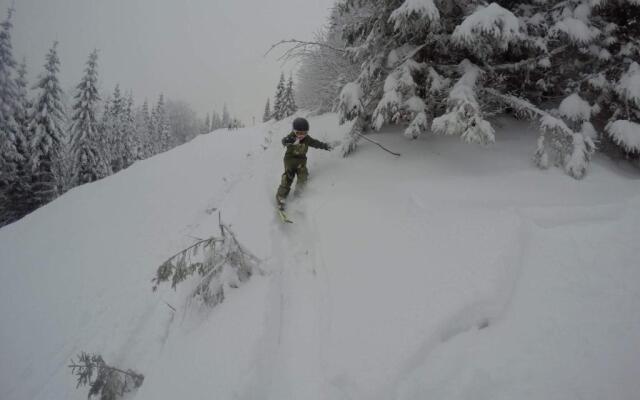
(328, 147)
(333, 145)
(288, 140)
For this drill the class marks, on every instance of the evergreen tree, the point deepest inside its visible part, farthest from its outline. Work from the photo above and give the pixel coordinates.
(9, 154)
(447, 66)
(267, 112)
(89, 158)
(23, 106)
(154, 145)
(226, 118)
(216, 121)
(115, 130)
(162, 133)
(121, 131)
(131, 141)
(105, 131)
(207, 124)
(143, 130)
(22, 188)
(289, 106)
(280, 100)
(46, 133)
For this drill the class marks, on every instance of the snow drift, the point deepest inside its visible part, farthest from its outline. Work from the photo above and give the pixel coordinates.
(452, 272)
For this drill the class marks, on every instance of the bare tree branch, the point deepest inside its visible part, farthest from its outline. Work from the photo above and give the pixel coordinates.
(299, 48)
(377, 143)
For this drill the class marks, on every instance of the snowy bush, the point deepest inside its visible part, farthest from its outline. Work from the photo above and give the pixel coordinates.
(105, 382)
(220, 263)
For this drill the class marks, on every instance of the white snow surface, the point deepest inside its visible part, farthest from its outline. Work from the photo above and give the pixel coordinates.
(451, 272)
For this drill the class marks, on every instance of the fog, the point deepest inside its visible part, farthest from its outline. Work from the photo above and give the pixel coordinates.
(205, 52)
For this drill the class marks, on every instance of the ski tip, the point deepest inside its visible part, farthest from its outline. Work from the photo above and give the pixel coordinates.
(284, 218)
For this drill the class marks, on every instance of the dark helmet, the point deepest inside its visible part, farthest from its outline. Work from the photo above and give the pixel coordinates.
(300, 124)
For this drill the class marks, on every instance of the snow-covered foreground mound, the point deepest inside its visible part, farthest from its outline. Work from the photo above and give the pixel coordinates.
(452, 272)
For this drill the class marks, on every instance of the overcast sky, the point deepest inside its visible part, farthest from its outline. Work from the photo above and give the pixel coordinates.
(205, 52)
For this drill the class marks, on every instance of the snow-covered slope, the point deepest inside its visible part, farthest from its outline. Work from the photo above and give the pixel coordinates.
(452, 272)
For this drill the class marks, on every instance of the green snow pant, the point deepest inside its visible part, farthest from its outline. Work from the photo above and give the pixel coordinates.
(293, 167)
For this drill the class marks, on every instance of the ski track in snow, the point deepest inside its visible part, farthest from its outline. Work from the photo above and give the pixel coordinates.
(422, 287)
(289, 355)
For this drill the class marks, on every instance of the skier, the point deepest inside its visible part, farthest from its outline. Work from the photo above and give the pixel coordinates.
(295, 159)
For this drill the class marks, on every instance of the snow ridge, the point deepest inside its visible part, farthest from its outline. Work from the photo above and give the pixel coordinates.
(404, 279)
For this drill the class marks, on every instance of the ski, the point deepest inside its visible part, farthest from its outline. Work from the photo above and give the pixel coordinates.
(283, 217)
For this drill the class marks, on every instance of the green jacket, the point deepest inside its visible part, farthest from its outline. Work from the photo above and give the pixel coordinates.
(299, 150)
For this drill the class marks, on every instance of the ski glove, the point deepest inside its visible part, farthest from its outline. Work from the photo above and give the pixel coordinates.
(288, 140)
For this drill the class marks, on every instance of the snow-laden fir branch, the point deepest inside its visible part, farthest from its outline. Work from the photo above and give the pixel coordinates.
(557, 143)
(103, 380)
(219, 261)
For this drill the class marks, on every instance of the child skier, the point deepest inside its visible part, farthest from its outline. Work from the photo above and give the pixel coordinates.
(295, 159)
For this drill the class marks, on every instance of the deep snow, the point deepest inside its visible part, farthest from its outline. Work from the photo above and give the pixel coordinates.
(453, 272)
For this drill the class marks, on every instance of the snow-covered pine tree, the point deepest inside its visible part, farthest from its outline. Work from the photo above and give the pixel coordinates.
(46, 133)
(289, 106)
(485, 58)
(216, 121)
(115, 130)
(105, 130)
(154, 145)
(162, 133)
(121, 131)
(10, 157)
(153, 130)
(65, 166)
(184, 123)
(207, 124)
(23, 107)
(131, 138)
(89, 159)
(226, 118)
(22, 188)
(267, 112)
(143, 130)
(280, 99)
